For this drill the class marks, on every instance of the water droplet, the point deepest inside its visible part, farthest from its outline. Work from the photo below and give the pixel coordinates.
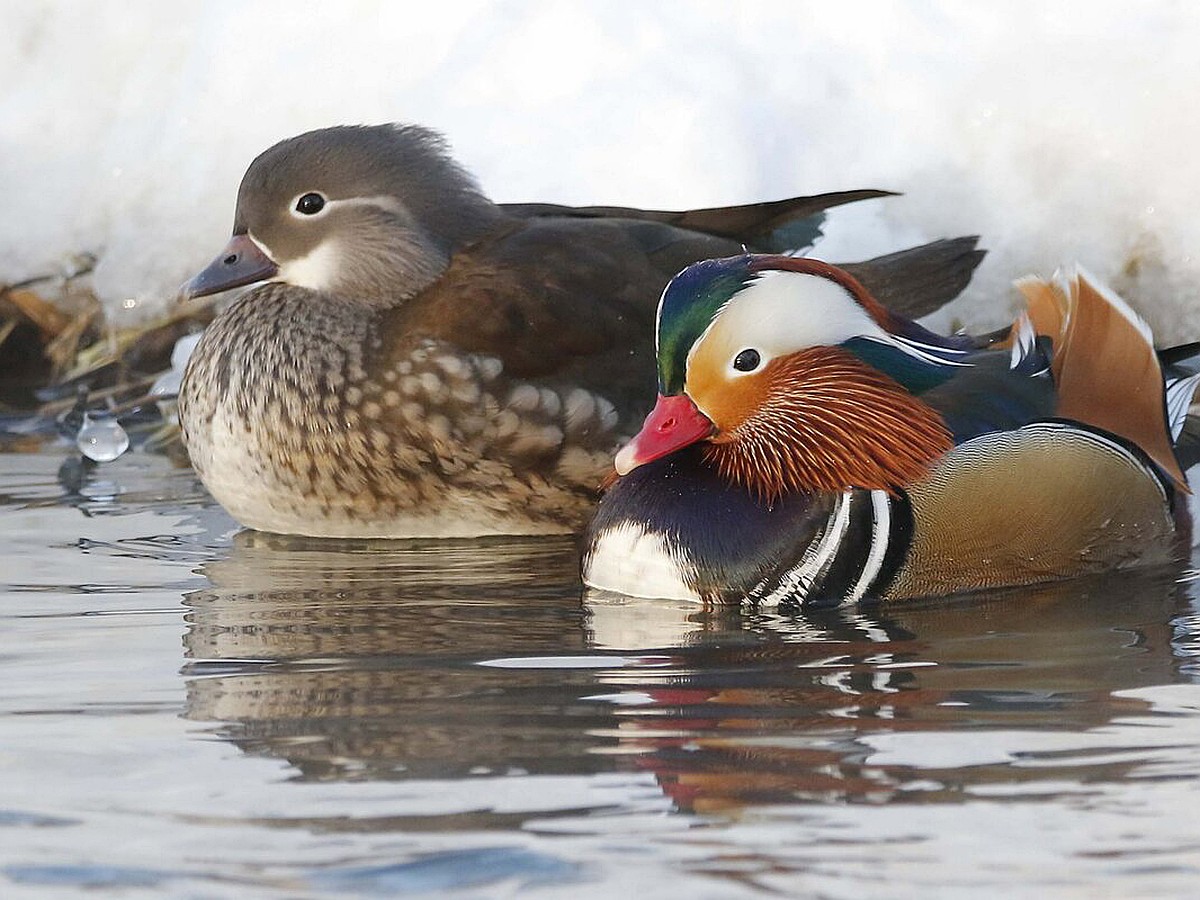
(102, 438)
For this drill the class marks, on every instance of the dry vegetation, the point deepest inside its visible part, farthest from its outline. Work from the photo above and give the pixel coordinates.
(59, 353)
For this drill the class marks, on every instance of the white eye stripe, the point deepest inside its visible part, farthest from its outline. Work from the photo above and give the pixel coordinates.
(780, 313)
(381, 201)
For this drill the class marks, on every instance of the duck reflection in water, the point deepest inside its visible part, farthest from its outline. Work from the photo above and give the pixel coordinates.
(448, 661)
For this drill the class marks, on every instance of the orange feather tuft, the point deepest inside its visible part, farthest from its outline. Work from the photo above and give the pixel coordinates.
(1105, 367)
(830, 422)
(1048, 310)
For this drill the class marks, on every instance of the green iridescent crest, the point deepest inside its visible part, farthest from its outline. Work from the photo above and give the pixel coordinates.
(687, 307)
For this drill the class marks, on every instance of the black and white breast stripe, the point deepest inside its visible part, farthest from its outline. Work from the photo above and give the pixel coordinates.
(860, 549)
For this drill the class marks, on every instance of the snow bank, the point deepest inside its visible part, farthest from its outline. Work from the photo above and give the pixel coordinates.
(1058, 132)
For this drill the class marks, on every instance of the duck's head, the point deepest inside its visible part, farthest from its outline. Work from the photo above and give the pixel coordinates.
(798, 379)
(371, 212)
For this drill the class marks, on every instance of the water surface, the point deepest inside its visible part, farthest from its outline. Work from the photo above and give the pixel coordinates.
(190, 711)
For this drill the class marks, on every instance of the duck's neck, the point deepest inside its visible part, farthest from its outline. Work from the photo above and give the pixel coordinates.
(386, 274)
(830, 423)
(675, 528)
(386, 266)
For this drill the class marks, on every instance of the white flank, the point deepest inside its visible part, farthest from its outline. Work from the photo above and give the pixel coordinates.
(1193, 502)
(1180, 393)
(629, 560)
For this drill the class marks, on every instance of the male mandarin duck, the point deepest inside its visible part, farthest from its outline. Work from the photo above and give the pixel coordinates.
(809, 445)
(424, 362)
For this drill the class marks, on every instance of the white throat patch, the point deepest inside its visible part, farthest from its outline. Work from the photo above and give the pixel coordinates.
(316, 270)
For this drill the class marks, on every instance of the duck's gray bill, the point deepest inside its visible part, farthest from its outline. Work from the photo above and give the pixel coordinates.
(240, 263)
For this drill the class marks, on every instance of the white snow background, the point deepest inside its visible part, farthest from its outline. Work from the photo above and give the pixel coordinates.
(1058, 131)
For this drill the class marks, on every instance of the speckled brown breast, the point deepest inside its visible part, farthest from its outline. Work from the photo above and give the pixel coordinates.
(303, 414)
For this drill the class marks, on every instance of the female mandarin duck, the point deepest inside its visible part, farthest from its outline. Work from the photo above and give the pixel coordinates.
(424, 362)
(809, 445)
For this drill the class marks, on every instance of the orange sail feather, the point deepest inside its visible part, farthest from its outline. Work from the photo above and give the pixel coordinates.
(1104, 363)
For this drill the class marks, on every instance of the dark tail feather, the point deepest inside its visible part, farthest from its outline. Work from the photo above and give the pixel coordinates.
(1185, 356)
(923, 279)
(775, 226)
(1187, 445)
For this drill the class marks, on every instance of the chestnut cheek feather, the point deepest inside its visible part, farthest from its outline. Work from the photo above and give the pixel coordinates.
(829, 422)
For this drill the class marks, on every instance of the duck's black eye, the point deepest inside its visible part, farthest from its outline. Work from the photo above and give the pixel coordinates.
(310, 204)
(747, 361)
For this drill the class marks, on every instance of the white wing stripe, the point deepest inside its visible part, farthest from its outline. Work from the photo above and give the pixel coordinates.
(881, 527)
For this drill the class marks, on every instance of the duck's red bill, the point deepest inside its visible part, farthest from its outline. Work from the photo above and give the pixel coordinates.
(674, 423)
